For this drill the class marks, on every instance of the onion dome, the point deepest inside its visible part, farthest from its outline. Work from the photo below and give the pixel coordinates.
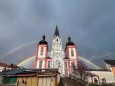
(43, 41)
(69, 41)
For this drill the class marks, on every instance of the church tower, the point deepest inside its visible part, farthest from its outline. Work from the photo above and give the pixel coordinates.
(41, 54)
(57, 52)
(71, 58)
(58, 59)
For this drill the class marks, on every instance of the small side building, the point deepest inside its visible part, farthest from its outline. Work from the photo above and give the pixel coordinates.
(103, 75)
(31, 77)
(109, 64)
(4, 66)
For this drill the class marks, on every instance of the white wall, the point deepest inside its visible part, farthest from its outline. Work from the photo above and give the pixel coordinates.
(108, 75)
(1, 68)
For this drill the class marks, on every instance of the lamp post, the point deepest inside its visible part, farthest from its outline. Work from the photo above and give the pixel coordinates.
(52, 78)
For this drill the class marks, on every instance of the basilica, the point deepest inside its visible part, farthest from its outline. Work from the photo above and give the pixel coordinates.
(59, 58)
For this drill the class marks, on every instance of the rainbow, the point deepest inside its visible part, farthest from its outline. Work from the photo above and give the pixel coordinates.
(17, 49)
(87, 61)
(33, 57)
(26, 60)
(81, 58)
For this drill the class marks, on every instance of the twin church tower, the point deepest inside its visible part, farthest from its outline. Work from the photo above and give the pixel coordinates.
(57, 58)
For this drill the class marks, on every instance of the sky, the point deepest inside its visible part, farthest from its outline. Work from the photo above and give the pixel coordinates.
(90, 23)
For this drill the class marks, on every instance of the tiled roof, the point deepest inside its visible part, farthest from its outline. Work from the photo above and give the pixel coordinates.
(12, 72)
(65, 58)
(111, 62)
(25, 71)
(48, 58)
(4, 65)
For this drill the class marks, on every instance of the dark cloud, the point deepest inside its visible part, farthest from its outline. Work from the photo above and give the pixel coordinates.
(90, 24)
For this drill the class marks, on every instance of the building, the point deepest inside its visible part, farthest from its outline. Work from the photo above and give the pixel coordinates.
(100, 77)
(97, 76)
(4, 66)
(31, 77)
(57, 57)
(103, 75)
(110, 65)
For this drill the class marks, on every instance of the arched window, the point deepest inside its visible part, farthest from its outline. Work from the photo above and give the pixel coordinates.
(57, 63)
(57, 40)
(95, 80)
(40, 64)
(41, 51)
(72, 53)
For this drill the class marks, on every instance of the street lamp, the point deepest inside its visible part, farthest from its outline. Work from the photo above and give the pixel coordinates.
(51, 79)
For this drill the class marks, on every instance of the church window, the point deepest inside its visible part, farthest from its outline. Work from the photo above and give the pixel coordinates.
(40, 64)
(57, 40)
(41, 51)
(48, 64)
(72, 53)
(95, 80)
(57, 63)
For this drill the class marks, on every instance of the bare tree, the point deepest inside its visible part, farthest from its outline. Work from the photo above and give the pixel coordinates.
(80, 70)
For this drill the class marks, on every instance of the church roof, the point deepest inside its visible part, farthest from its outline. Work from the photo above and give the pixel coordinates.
(56, 31)
(65, 58)
(48, 58)
(111, 62)
(43, 41)
(69, 42)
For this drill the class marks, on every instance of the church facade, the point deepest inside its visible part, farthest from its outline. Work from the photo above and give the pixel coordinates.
(57, 57)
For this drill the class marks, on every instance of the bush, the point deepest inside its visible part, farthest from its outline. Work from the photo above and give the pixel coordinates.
(60, 84)
(94, 85)
(107, 85)
(101, 85)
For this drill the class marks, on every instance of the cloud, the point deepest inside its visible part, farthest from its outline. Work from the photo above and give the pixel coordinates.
(89, 23)
(103, 56)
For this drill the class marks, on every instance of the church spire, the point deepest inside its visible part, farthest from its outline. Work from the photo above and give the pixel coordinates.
(56, 31)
